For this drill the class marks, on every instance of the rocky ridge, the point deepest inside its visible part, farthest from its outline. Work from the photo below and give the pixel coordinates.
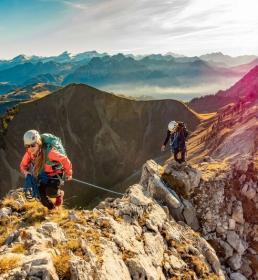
(133, 237)
(153, 232)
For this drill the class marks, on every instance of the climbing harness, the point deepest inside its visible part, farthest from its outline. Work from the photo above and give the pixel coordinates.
(95, 186)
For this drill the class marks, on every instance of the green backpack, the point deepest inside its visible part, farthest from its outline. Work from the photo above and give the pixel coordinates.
(50, 141)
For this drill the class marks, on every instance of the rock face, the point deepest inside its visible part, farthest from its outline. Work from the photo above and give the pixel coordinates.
(225, 149)
(228, 218)
(134, 237)
(106, 137)
(211, 200)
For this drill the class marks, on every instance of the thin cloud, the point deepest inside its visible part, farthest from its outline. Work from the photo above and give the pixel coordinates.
(71, 4)
(191, 27)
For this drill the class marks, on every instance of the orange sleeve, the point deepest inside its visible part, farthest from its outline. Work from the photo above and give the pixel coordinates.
(25, 162)
(64, 160)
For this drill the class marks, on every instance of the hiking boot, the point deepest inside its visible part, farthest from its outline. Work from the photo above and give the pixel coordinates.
(59, 199)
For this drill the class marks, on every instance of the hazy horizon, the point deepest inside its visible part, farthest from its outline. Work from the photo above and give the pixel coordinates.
(124, 53)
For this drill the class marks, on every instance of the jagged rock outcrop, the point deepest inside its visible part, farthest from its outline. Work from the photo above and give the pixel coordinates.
(215, 195)
(133, 237)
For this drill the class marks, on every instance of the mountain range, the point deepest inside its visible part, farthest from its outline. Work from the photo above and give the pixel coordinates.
(159, 76)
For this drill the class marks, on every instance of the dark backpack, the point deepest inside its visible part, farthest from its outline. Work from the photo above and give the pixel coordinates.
(182, 125)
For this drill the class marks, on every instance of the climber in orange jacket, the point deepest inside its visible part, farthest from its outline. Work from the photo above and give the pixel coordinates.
(42, 156)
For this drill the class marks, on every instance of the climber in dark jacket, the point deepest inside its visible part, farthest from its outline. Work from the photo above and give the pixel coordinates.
(177, 134)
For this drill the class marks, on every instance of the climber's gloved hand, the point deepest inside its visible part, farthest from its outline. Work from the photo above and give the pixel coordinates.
(68, 178)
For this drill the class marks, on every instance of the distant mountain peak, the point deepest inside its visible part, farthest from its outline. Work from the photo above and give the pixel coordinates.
(174, 54)
(20, 58)
(64, 54)
(119, 56)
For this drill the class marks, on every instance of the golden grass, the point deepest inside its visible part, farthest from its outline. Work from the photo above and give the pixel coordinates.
(181, 247)
(7, 226)
(187, 275)
(9, 201)
(32, 205)
(36, 213)
(210, 170)
(70, 229)
(127, 255)
(34, 216)
(8, 263)
(58, 215)
(112, 213)
(41, 94)
(73, 244)
(4, 233)
(105, 223)
(206, 116)
(62, 266)
(19, 248)
(200, 268)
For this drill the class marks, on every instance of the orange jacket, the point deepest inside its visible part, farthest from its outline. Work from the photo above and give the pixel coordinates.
(53, 155)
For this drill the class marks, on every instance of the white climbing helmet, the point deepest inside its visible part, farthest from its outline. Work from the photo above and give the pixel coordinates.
(31, 137)
(172, 125)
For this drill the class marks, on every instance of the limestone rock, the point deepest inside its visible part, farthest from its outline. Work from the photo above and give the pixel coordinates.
(235, 262)
(231, 224)
(53, 230)
(154, 247)
(137, 197)
(237, 276)
(237, 214)
(184, 179)
(190, 215)
(80, 269)
(40, 265)
(228, 250)
(142, 268)
(245, 268)
(5, 212)
(113, 266)
(249, 191)
(72, 216)
(176, 263)
(234, 240)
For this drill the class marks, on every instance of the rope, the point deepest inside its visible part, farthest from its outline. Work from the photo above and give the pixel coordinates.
(97, 187)
(89, 184)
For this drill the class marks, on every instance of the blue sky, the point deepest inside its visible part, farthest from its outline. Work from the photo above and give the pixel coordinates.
(190, 27)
